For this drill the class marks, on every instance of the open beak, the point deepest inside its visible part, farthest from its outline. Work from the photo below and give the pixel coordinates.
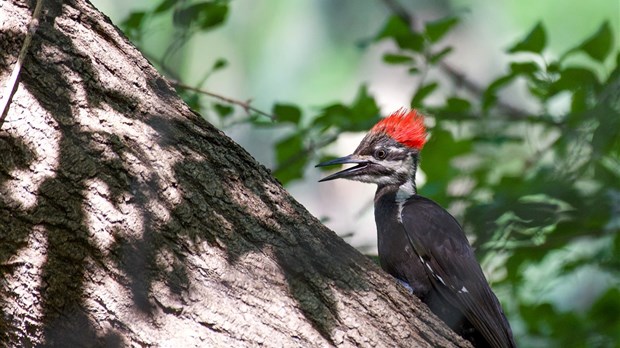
(346, 173)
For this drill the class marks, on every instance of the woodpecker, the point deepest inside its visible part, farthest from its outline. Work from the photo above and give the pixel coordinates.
(419, 242)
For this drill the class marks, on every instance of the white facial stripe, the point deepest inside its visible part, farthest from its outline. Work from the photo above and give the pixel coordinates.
(400, 167)
(394, 149)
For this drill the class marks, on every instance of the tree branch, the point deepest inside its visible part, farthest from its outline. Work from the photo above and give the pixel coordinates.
(244, 104)
(461, 80)
(11, 85)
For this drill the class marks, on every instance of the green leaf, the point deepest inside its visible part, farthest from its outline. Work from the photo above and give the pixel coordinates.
(438, 169)
(534, 42)
(331, 116)
(422, 93)
(605, 313)
(289, 147)
(287, 113)
(364, 112)
(554, 67)
(606, 134)
(490, 94)
(525, 68)
(598, 46)
(391, 58)
(221, 63)
(454, 104)
(204, 15)
(437, 29)
(192, 100)
(360, 116)
(436, 57)
(573, 79)
(223, 110)
(132, 25)
(413, 70)
(399, 31)
(290, 157)
(164, 6)
(579, 101)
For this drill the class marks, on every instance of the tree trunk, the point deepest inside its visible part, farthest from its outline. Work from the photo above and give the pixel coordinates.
(128, 220)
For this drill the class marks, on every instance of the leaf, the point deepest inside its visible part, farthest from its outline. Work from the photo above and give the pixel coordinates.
(399, 31)
(525, 68)
(287, 113)
(360, 116)
(289, 147)
(223, 110)
(221, 63)
(454, 104)
(534, 42)
(391, 58)
(364, 112)
(598, 46)
(554, 67)
(204, 15)
(192, 100)
(132, 24)
(573, 79)
(579, 101)
(606, 134)
(422, 93)
(330, 116)
(490, 94)
(436, 57)
(290, 157)
(437, 29)
(605, 312)
(164, 6)
(413, 70)
(438, 169)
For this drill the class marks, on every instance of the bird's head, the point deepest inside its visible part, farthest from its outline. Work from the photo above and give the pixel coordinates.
(388, 154)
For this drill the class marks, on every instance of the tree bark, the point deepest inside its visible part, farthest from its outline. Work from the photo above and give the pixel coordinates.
(128, 220)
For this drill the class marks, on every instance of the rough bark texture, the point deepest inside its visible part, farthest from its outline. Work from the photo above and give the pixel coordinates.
(127, 220)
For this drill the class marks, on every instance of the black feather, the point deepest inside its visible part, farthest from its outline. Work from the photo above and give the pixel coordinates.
(450, 263)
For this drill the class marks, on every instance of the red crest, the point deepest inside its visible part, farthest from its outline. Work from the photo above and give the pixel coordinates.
(404, 126)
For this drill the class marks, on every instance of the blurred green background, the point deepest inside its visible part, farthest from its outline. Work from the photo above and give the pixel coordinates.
(523, 105)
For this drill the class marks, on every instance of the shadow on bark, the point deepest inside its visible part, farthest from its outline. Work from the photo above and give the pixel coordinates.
(311, 263)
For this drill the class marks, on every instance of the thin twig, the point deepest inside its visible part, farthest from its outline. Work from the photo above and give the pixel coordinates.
(244, 104)
(11, 85)
(461, 80)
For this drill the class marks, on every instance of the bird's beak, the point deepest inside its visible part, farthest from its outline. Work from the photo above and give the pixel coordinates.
(346, 173)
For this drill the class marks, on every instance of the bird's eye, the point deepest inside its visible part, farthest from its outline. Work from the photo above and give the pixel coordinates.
(380, 154)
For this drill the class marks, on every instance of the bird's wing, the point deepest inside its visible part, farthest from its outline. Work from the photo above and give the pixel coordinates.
(443, 248)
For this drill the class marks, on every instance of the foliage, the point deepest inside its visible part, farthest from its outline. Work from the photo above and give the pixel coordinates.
(535, 185)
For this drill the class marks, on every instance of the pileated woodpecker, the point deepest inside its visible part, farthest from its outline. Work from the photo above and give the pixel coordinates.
(419, 242)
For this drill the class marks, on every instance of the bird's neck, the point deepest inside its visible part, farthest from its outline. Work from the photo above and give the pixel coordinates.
(400, 192)
(404, 190)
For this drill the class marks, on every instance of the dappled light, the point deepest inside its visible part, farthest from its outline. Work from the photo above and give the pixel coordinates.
(129, 217)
